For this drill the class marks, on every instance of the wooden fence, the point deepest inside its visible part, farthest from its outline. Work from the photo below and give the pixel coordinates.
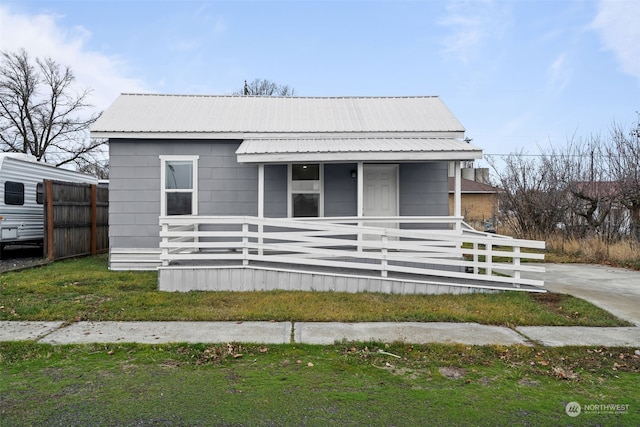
(76, 219)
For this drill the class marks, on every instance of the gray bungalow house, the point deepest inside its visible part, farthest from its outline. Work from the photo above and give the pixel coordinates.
(242, 192)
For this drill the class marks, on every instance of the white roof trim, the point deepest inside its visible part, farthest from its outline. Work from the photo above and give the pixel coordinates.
(269, 136)
(355, 149)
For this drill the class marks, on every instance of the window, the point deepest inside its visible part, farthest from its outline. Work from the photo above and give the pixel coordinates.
(306, 205)
(305, 190)
(40, 193)
(13, 193)
(179, 175)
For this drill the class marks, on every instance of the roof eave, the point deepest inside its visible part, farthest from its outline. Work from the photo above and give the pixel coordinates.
(164, 135)
(377, 156)
(456, 134)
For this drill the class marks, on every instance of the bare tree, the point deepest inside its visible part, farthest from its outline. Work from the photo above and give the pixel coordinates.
(532, 199)
(98, 168)
(41, 113)
(591, 194)
(591, 187)
(623, 153)
(263, 87)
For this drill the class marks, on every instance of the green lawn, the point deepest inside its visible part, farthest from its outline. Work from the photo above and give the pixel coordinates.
(84, 289)
(343, 384)
(241, 384)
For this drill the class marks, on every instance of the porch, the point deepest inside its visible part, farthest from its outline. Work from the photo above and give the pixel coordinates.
(407, 255)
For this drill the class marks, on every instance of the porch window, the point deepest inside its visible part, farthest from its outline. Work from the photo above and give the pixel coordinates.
(179, 176)
(305, 183)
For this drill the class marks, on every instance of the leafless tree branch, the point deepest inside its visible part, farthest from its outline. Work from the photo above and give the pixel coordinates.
(263, 87)
(41, 113)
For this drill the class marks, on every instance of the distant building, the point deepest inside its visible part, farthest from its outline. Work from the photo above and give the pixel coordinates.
(479, 198)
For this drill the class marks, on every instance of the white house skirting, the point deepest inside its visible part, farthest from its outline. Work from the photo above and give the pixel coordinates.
(241, 278)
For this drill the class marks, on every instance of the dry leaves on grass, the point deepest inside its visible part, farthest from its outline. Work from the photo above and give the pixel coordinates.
(214, 353)
(565, 373)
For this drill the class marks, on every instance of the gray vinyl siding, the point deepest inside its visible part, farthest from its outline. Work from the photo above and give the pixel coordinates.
(424, 189)
(340, 190)
(224, 186)
(275, 191)
(134, 195)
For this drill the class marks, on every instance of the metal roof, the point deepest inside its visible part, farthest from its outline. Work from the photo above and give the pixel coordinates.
(355, 149)
(149, 116)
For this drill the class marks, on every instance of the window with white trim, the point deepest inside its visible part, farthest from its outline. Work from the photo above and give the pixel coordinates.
(179, 176)
(305, 190)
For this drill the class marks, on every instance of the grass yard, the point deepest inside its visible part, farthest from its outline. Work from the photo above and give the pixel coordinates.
(84, 289)
(242, 384)
(344, 384)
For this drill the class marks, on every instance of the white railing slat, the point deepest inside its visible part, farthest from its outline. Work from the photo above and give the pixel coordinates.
(353, 243)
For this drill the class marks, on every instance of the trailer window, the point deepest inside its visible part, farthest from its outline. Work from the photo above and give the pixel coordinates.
(40, 193)
(13, 193)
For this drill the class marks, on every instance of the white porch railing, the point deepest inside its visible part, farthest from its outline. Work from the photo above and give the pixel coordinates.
(421, 246)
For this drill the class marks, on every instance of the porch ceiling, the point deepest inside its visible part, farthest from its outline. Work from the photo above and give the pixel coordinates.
(355, 149)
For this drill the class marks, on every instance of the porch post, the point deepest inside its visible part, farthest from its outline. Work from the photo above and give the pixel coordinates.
(457, 193)
(260, 207)
(360, 198)
(261, 190)
(360, 190)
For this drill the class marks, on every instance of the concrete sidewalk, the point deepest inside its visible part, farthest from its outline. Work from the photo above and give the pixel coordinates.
(313, 333)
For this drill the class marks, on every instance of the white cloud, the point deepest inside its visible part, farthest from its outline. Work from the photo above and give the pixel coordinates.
(42, 36)
(618, 26)
(558, 72)
(472, 24)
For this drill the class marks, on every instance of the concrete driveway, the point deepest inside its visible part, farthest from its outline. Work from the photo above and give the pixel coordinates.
(616, 290)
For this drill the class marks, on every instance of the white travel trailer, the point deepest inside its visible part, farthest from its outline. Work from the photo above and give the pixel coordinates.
(22, 196)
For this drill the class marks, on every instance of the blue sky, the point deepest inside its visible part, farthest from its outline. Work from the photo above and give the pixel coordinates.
(518, 74)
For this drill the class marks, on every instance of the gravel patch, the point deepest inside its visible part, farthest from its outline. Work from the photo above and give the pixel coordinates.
(20, 257)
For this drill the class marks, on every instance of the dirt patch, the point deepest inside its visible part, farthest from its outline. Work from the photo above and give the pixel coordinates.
(552, 302)
(452, 373)
(549, 298)
(527, 382)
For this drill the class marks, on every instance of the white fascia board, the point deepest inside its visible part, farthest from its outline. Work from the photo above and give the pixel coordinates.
(282, 135)
(378, 156)
(165, 135)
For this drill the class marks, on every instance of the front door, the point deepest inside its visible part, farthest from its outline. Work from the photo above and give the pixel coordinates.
(380, 196)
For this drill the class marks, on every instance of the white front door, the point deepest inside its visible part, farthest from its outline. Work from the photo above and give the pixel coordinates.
(380, 196)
